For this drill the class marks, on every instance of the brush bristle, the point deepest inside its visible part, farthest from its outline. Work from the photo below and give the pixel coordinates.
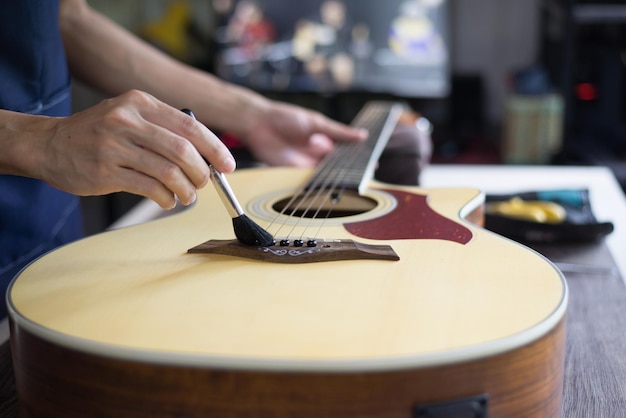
(249, 233)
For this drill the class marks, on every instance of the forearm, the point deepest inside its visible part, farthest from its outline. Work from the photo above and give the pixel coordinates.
(106, 56)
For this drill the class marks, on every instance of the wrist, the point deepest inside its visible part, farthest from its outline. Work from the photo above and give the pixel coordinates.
(253, 113)
(232, 109)
(21, 139)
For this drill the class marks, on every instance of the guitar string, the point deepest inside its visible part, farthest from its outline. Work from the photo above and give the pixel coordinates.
(342, 176)
(339, 182)
(333, 179)
(327, 196)
(327, 166)
(325, 189)
(355, 161)
(304, 192)
(362, 159)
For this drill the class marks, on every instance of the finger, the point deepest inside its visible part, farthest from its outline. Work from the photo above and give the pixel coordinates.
(205, 143)
(320, 145)
(151, 125)
(175, 152)
(162, 155)
(140, 184)
(338, 131)
(162, 170)
(214, 149)
(295, 158)
(169, 158)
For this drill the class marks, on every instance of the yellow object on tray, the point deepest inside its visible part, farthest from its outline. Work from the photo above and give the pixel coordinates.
(530, 210)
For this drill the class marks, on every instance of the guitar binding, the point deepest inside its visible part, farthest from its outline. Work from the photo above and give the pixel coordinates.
(326, 250)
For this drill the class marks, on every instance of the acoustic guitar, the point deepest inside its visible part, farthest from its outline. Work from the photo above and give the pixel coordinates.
(374, 301)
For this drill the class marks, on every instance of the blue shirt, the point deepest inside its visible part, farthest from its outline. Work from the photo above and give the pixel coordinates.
(34, 78)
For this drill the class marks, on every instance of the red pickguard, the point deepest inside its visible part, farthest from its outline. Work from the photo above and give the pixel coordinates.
(411, 219)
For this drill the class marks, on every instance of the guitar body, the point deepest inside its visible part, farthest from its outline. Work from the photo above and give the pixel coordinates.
(128, 324)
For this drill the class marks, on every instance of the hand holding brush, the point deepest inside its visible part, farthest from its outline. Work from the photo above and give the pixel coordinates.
(246, 230)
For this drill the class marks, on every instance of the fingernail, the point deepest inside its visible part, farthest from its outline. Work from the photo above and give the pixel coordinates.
(230, 164)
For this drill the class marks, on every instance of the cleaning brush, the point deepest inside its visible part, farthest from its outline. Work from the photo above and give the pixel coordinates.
(246, 230)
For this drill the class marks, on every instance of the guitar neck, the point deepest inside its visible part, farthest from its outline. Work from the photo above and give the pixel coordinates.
(351, 165)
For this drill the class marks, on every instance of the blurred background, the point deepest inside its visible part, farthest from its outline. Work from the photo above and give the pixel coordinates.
(501, 81)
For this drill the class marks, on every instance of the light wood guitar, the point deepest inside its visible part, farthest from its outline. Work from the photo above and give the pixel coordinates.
(384, 303)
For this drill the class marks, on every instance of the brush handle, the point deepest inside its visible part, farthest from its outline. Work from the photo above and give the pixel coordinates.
(221, 185)
(226, 193)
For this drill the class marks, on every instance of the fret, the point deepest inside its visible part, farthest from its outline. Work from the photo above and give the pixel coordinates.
(351, 165)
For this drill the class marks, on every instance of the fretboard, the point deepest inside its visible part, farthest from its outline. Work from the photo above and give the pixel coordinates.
(351, 165)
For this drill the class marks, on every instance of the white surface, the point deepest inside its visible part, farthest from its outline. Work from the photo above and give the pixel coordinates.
(144, 211)
(607, 198)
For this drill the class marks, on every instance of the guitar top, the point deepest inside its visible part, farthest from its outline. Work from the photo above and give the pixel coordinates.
(457, 292)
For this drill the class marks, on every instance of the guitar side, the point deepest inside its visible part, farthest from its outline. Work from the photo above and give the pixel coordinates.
(346, 338)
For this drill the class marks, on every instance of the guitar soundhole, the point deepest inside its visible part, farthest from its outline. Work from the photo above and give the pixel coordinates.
(337, 205)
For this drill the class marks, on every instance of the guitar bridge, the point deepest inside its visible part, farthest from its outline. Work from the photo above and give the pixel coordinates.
(325, 250)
